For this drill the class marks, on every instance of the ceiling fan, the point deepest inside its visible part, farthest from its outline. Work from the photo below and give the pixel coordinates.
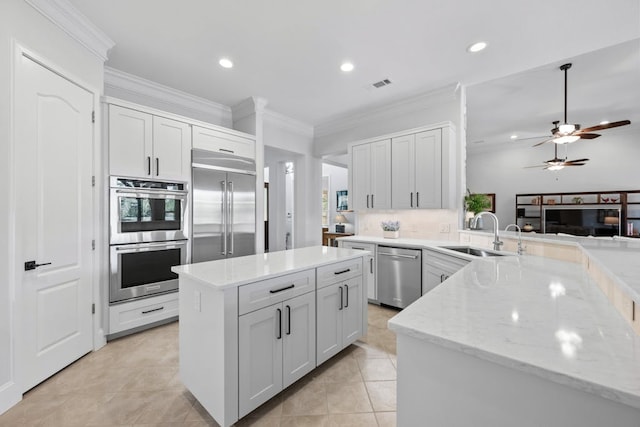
(556, 163)
(567, 133)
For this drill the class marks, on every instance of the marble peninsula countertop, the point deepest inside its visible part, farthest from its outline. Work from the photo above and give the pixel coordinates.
(619, 257)
(538, 315)
(233, 272)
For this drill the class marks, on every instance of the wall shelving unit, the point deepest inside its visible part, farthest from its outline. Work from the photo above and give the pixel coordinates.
(530, 206)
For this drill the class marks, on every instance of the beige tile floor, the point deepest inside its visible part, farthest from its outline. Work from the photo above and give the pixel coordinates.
(133, 381)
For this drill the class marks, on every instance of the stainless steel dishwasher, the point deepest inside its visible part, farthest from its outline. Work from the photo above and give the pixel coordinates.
(399, 275)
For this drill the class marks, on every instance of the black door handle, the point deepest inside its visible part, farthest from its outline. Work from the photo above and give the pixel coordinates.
(288, 320)
(31, 265)
(279, 336)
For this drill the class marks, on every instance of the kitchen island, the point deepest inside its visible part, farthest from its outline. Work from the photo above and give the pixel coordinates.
(525, 341)
(251, 326)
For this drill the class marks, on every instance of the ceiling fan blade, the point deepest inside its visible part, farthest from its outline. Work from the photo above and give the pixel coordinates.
(543, 142)
(607, 126)
(576, 161)
(587, 135)
(574, 164)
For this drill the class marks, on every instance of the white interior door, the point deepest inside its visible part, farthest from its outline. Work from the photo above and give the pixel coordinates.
(54, 204)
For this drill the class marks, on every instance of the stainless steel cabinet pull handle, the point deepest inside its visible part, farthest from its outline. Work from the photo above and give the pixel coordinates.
(275, 291)
(279, 336)
(341, 297)
(441, 278)
(231, 209)
(227, 151)
(411, 203)
(224, 217)
(367, 201)
(342, 271)
(157, 166)
(148, 165)
(372, 201)
(152, 310)
(347, 295)
(288, 320)
(417, 199)
(355, 247)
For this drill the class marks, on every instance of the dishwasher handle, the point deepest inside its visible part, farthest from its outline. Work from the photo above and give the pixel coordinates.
(398, 255)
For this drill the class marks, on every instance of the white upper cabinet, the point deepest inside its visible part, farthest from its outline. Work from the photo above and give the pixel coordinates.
(146, 146)
(171, 149)
(417, 170)
(215, 140)
(371, 175)
(130, 142)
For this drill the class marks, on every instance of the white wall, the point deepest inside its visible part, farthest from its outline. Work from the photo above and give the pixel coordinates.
(19, 22)
(613, 165)
(295, 142)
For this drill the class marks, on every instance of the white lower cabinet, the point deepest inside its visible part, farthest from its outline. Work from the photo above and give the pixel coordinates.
(276, 347)
(243, 343)
(340, 314)
(369, 268)
(142, 312)
(437, 267)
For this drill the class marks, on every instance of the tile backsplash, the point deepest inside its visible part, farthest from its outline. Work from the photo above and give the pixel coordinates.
(434, 224)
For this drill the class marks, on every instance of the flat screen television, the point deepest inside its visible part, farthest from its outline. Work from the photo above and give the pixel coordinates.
(583, 220)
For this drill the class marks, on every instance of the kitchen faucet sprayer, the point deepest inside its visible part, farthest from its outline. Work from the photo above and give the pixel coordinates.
(517, 227)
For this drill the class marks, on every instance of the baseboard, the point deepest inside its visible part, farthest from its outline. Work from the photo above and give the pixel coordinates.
(9, 396)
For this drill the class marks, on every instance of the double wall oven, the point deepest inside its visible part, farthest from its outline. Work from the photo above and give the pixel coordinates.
(148, 236)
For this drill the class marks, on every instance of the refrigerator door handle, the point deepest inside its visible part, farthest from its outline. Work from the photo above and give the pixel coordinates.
(231, 209)
(224, 217)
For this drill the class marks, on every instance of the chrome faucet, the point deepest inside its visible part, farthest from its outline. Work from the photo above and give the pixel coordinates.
(520, 247)
(496, 240)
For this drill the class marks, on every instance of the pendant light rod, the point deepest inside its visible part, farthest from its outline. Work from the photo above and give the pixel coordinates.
(564, 68)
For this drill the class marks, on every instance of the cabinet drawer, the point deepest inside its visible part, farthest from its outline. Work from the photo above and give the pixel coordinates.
(443, 261)
(254, 296)
(130, 315)
(338, 272)
(360, 246)
(213, 140)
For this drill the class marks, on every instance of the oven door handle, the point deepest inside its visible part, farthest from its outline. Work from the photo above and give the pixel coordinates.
(149, 192)
(137, 247)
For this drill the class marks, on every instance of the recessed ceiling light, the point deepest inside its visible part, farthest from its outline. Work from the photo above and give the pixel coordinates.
(226, 63)
(346, 67)
(604, 122)
(476, 47)
(514, 136)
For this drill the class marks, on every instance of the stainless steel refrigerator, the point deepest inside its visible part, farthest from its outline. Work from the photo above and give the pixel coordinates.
(224, 206)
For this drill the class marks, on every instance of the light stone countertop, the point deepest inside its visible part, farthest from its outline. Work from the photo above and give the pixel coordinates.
(619, 257)
(534, 314)
(233, 272)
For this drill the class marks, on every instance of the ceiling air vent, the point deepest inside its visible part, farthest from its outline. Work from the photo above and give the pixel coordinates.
(381, 83)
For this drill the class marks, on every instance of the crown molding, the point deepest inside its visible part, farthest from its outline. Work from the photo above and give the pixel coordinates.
(285, 122)
(124, 85)
(402, 107)
(248, 107)
(63, 14)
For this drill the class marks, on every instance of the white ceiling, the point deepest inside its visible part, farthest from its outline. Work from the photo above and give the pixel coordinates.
(602, 85)
(289, 52)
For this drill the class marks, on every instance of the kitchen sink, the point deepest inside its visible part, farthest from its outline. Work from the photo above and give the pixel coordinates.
(472, 251)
